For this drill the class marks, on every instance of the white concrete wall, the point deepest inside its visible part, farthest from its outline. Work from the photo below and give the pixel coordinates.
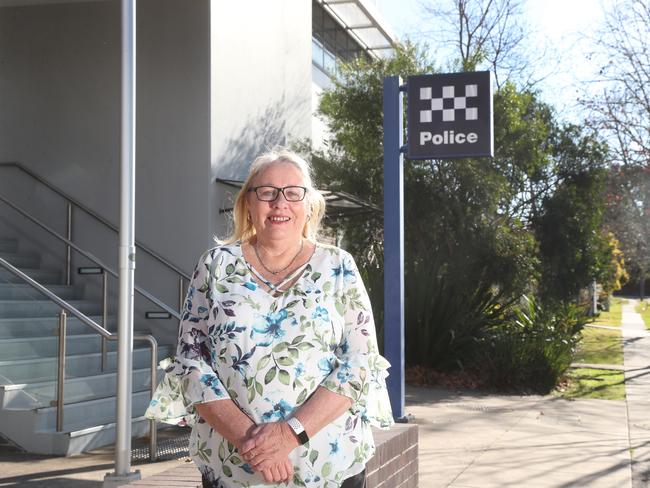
(261, 84)
(60, 116)
(218, 82)
(319, 131)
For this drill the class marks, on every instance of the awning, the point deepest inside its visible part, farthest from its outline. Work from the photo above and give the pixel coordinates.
(363, 21)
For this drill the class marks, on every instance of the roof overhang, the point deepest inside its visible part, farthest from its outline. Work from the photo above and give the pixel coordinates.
(362, 20)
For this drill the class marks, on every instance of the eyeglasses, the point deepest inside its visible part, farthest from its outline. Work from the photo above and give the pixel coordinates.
(271, 193)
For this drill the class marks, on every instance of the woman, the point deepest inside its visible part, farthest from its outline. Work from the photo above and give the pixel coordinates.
(277, 351)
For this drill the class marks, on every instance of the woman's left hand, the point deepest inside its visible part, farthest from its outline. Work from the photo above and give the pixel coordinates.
(268, 444)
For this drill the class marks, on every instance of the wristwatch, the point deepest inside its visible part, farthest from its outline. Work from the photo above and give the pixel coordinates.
(299, 430)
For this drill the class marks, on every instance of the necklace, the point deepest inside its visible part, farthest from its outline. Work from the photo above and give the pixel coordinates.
(259, 258)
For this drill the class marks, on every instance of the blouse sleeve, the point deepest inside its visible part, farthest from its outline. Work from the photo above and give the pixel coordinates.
(360, 371)
(192, 365)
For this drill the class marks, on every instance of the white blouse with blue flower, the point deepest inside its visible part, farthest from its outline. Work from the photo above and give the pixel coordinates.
(269, 354)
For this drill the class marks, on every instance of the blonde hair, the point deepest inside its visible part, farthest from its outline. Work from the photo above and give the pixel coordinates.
(243, 227)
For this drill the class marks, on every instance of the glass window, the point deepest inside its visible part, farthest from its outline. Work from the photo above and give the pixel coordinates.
(331, 44)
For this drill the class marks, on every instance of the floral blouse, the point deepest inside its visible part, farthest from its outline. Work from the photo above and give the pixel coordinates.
(269, 354)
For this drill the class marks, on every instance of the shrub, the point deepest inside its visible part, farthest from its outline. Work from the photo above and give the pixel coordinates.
(533, 347)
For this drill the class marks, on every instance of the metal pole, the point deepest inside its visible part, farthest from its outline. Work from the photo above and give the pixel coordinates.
(123, 472)
(394, 243)
(104, 316)
(181, 298)
(68, 250)
(594, 298)
(60, 380)
(153, 433)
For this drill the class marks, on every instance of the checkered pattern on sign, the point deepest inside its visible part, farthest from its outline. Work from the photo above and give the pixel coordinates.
(448, 93)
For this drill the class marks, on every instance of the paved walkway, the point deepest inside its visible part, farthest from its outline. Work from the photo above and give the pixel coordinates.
(636, 348)
(475, 440)
(470, 440)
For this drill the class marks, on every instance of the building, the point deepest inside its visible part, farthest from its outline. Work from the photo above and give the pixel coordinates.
(216, 83)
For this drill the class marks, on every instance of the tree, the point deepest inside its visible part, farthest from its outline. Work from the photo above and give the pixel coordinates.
(486, 34)
(628, 217)
(618, 100)
(573, 250)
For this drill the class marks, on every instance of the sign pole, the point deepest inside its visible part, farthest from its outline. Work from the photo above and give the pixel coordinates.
(394, 242)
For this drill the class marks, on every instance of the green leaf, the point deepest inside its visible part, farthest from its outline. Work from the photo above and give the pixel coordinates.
(297, 480)
(302, 396)
(339, 307)
(297, 339)
(313, 456)
(270, 374)
(226, 470)
(221, 288)
(230, 269)
(251, 394)
(315, 276)
(327, 286)
(235, 460)
(262, 363)
(280, 347)
(222, 452)
(258, 387)
(284, 377)
(285, 361)
(293, 352)
(326, 469)
(356, 385)
(304, 346)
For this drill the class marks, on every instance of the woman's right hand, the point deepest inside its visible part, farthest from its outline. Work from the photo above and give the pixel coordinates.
(282, 471)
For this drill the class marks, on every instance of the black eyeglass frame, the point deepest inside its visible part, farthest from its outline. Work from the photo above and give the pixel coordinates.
(279, 190)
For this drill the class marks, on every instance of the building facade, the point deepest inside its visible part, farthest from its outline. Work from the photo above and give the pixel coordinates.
(217, 83)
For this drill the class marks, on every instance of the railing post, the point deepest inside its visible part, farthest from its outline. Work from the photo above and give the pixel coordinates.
(153, 433)
(104, 316)
(68, 250)
(181, 298)
(60, 380)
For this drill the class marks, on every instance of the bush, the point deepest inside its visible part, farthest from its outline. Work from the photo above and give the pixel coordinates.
(532, 348)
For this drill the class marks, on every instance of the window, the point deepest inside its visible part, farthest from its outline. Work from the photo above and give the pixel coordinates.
(331, 43)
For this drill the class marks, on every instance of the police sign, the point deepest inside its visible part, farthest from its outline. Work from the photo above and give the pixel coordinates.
(450, 116)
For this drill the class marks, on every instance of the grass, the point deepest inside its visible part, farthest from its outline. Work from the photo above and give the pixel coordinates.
(603, 384)
(614, 316)
(644, 309)
(600, 346)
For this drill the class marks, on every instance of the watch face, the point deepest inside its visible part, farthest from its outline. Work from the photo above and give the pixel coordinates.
(296, 425)
(299, 430)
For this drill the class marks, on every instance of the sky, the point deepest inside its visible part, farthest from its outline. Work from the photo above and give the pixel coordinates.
(561, 28)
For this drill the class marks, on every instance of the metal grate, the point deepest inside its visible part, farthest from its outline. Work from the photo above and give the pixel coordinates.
(172, 444)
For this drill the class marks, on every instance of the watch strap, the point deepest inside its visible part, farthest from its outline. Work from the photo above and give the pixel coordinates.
(299, 430)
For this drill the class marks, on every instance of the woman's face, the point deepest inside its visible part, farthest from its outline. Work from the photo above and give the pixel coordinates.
(279, 219)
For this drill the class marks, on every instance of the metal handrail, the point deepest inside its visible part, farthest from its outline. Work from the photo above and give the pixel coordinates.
(65, 306)
(94, 215)
(89, 256)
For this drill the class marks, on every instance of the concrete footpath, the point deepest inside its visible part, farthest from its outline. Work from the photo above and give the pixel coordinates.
(477, 440)
(468, 439)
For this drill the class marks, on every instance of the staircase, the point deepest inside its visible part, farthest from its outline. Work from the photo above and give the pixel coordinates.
(28, 366)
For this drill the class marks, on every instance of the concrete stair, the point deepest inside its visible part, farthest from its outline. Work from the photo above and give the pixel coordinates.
(28, 366)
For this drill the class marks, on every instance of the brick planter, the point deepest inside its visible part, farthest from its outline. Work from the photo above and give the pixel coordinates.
(394, 465)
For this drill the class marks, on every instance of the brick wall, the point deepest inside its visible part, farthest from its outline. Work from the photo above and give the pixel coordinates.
(395, 463)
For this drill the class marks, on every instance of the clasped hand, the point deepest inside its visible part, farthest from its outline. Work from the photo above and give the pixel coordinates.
(267, 448)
